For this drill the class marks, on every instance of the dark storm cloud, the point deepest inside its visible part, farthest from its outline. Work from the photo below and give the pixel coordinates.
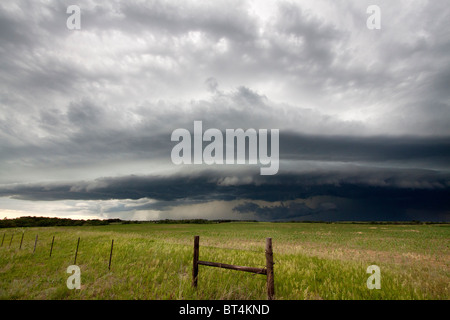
(88, 132)
(293, 210)
(422, 151)
(361, 193)
(363, 115)
(210, 184)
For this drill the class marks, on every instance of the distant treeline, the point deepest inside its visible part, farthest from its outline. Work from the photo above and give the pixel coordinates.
(52, 222)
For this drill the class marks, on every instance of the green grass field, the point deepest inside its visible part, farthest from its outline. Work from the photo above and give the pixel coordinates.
(154, 261)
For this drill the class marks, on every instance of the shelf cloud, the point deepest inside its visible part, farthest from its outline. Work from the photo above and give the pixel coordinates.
(86, 115)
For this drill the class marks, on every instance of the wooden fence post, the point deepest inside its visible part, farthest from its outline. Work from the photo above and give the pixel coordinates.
(35, 242)
(269, 267)
(110, 254)
(51, 248)
(10, 241)
(76, 252)
(3, 239)
(195, 262)
(21, 240)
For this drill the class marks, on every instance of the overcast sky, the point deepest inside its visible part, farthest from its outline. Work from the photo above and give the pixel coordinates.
(86, 115)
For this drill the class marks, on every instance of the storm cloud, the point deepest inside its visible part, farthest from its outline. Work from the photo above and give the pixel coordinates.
(391, 194)
(86, 115)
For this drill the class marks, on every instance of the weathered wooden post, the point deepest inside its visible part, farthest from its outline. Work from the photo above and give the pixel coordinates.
(21, 240)
(76, 252)
(51, 248)
(35, 242)
(10, 241)
(3, 239)
(269, 268)
(195, 262)
(110, 254)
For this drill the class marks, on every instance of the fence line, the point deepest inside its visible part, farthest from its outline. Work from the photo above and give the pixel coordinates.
(52, 246)
(268, 270)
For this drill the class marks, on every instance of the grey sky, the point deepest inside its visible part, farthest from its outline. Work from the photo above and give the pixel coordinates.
(96, 106)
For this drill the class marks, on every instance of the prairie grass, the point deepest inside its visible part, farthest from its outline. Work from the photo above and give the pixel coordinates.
(154, 261)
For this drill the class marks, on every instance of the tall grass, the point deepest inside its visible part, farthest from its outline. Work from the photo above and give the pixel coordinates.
(154, 261)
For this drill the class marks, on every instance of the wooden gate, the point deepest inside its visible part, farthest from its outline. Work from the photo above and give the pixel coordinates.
(268, 270)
